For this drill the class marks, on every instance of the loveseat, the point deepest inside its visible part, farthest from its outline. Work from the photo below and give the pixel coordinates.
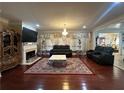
(61, 50)
(101, 55)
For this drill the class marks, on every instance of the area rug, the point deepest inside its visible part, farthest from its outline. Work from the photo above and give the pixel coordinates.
(74, 66)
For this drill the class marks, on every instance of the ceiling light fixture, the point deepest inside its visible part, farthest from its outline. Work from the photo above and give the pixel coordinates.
(37, 25)
(84, 27)
(118, 25)
(64, 31)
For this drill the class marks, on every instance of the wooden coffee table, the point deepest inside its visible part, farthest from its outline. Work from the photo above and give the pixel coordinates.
(58, 60)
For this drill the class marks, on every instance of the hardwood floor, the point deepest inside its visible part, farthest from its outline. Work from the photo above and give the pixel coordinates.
(106, 77)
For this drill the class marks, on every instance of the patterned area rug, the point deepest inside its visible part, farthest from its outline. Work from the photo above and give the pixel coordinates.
(74, 66)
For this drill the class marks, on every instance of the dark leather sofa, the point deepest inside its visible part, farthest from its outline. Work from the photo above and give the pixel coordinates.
(101, 55)
(61, 50)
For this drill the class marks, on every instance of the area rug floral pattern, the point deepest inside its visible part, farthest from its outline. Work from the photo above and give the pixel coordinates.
(74, 66)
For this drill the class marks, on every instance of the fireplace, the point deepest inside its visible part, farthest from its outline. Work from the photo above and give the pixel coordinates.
(29, 51)
(30, 54)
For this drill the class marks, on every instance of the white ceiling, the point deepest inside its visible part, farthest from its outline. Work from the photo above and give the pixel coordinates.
(53, 16)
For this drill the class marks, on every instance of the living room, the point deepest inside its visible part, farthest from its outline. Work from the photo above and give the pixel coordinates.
(69, 45)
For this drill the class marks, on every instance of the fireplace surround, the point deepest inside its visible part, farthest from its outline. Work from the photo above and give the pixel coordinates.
(29, 52)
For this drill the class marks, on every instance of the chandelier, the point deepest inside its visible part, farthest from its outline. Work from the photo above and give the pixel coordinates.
(64, 31)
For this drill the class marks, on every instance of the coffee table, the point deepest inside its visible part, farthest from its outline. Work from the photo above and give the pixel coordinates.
(58, 61)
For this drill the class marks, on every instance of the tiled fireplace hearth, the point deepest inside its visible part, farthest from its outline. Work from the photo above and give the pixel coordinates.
(29, 53)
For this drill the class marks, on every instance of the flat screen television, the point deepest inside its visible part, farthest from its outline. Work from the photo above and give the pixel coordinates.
(29, 35)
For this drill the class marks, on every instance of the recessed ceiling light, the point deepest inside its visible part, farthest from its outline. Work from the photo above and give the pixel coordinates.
(84, 27)
(37, 25)
(118, 25)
